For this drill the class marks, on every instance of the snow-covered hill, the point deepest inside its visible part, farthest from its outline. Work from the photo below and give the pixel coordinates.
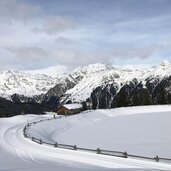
(140, 130)
(137, 130)
(24, 83)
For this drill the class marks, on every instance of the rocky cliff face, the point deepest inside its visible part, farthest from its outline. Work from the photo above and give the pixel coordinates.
(132, 94)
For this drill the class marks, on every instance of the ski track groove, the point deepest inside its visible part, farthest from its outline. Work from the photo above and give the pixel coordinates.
(22, 154)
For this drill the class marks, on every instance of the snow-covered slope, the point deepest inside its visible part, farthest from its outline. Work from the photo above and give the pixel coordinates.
(89, 129)
(24, 83)
(137, 130)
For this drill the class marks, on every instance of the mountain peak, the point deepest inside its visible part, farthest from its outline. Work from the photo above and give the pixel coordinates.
(165, 63)
(93, 68)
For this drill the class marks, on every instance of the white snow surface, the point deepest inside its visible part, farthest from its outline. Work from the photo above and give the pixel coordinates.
(137, 130)
(100, 128)
(73, 106)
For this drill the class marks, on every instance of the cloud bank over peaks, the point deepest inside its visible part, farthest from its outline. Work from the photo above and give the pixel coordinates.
(38, 34)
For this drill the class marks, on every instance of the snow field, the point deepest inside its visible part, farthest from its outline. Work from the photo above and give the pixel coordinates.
(137, 130)
(25, 154)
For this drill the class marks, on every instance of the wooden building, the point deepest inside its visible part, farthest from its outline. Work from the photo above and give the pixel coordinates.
(69, 109)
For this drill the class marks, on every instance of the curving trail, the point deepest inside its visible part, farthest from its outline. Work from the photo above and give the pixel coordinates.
(18, 154)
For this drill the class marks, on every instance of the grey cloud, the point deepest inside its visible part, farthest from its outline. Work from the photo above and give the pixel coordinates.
(35, 56)
(140, 25)
(19, 10)
(29, 53)
(73, 57)
(128, 53)
(73, 33)
(55, 24)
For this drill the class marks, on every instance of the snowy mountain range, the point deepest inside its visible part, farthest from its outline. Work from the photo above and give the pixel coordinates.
(103, 85)
(25, 83)
(97, 85)
(95, 75)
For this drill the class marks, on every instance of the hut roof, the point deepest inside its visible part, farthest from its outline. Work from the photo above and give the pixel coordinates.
(73, 106)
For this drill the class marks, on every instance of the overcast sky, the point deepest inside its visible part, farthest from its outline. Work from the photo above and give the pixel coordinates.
(36, 34)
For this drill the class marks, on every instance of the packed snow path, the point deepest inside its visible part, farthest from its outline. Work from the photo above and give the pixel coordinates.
(18, 153)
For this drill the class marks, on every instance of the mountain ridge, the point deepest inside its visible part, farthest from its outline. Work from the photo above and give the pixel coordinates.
(24, 83)
(95, 75)
(96, 86)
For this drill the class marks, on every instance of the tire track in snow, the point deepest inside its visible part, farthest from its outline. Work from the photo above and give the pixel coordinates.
(15, 131)
(21, 158)
(31, 156)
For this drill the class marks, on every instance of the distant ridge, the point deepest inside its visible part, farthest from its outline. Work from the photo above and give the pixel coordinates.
(96, 86)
